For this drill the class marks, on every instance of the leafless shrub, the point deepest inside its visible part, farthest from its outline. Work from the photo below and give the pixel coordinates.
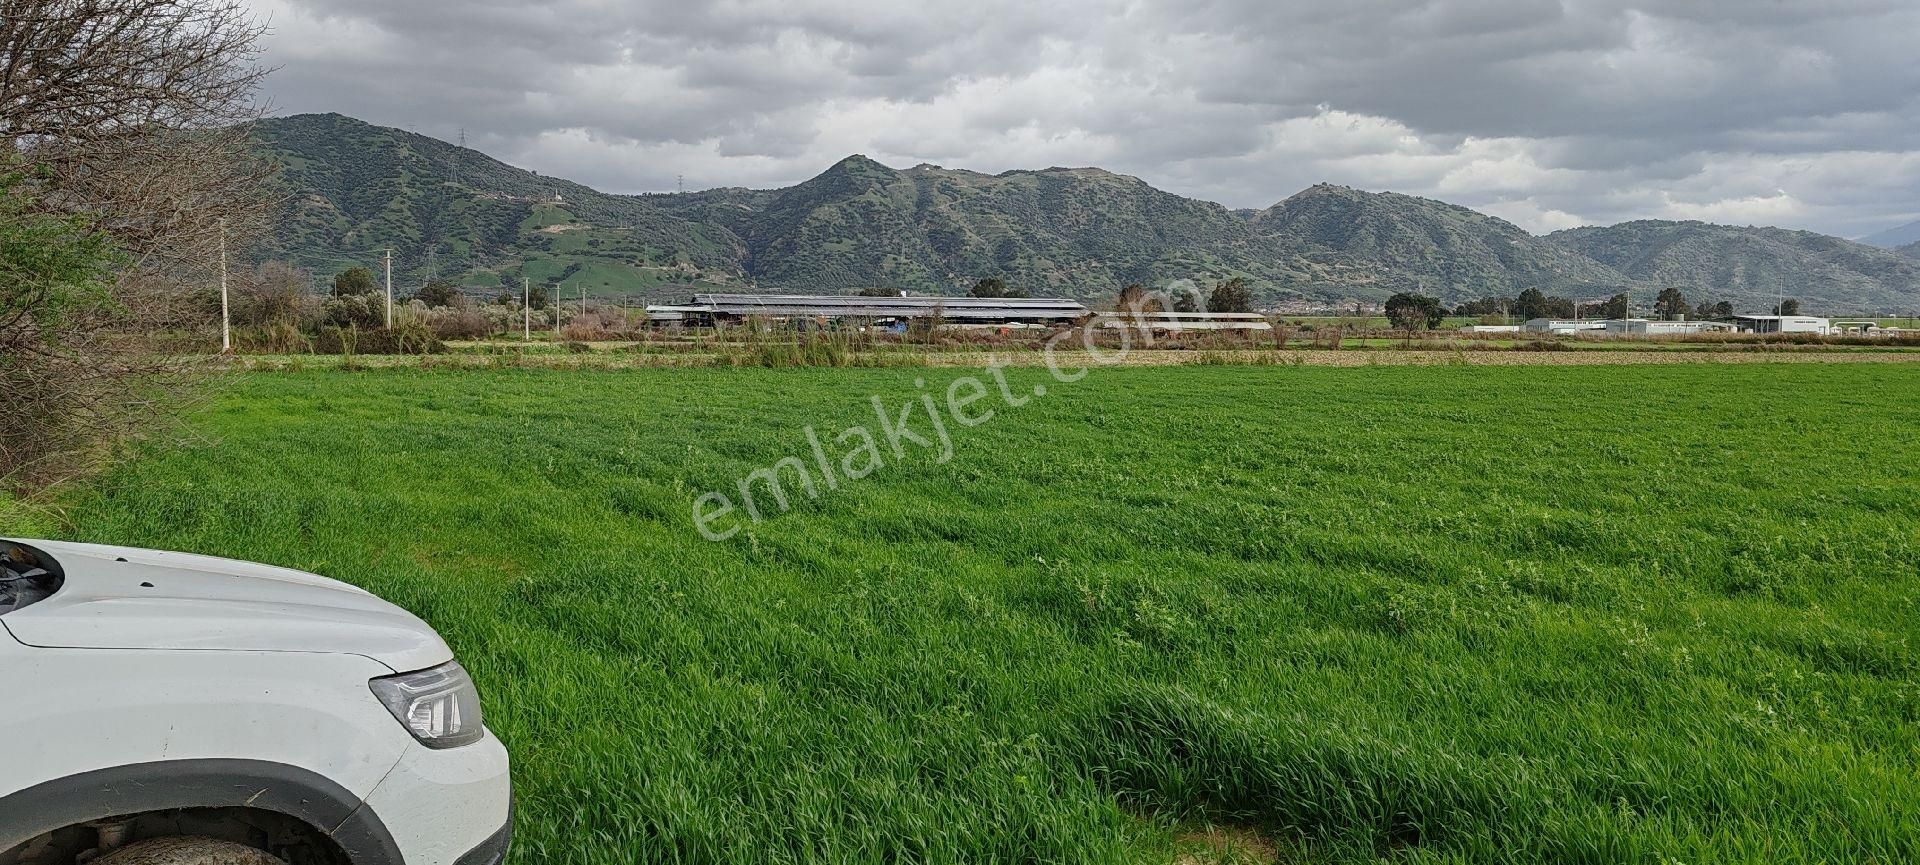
(595, 325)
(125, 120)
(82, 358)
(925, 329)
(275, 293)
(462, 319)
(275, 338)
(405, 337)
(1328, 337)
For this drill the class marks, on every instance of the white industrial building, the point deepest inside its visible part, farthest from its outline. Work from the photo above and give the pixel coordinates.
(709, 309)
(1783, 324)
(1557, 325)
(1178, 321)
(1491, 328)
(1652, 327)
(1643, 327)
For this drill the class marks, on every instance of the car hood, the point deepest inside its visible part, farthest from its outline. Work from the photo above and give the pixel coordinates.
(127, 598)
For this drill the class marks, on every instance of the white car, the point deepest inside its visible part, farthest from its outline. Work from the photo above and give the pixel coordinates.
(172, 709)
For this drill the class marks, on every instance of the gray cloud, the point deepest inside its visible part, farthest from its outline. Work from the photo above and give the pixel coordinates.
(1548, 112)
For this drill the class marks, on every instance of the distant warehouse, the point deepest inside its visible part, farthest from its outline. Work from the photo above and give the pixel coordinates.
(1556, 325)
(1650, 327)
(1784, 324)
(1631, 327)
(709, 309)
(1179, 321)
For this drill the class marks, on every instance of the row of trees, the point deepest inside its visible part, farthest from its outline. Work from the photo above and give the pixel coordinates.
(1227, 295)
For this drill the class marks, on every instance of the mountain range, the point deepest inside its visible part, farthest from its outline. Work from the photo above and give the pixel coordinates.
(352, 190)
(1905, 237)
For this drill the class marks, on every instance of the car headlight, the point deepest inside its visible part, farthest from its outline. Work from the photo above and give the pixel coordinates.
(439, 706)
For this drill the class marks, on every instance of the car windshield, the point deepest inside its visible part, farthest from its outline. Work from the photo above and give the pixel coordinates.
(26, 576)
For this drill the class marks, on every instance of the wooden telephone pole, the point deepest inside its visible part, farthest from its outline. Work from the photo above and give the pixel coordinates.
(226, 318)
(389, 289)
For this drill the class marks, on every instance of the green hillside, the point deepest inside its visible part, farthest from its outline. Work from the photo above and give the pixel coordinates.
(1079, 232)
(352, 190)
(1402, 243)
(1752, 264)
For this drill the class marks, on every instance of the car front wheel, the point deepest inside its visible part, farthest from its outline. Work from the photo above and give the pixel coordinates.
(187, 850)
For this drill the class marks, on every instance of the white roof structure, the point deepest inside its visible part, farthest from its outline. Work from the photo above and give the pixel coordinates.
(1557, 325)
(1655, 327)
(996, 309)
(1187, 320)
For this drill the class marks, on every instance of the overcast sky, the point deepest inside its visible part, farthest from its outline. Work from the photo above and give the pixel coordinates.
(1551, 113)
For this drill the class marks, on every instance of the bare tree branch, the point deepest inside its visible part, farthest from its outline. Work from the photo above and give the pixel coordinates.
(127, 121)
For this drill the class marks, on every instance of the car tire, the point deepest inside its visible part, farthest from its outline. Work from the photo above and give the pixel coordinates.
(187, 850)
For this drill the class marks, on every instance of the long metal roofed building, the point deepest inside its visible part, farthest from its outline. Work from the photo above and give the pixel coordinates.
(710, 308)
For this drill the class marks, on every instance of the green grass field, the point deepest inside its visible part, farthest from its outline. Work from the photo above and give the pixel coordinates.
(1444, 614)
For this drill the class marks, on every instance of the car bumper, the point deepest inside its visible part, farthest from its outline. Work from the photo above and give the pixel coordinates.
(448, 807)
(492, 851)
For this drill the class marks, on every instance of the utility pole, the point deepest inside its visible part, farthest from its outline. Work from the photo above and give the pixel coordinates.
(526, 309)
(389, 289)
(1780, 310)
(226, 320)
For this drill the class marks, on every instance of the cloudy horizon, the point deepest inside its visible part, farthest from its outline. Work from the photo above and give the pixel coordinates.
(1549, 114)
